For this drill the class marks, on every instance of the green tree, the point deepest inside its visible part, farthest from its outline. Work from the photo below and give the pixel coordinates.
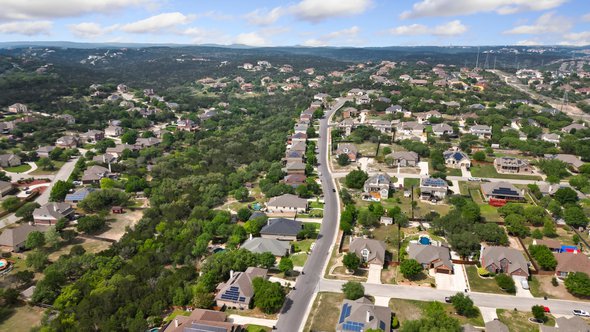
(266, 260)
(90, 224)
(241, 194)
(463, 305)
(505, 282)
(244, 213)
(515, 225)
(35, 240)
(135, 184)
(351, 261)
(410, 268)
(203, 299)
(129, 137)
(25, 212)
(535, 215)
(60, 190)
(36, 260)
(574, 216)
(108, 183)
(52, 237)
(367, 219)
(543, 256)
(254, 226)
(356, 179)
(565, 195)
(539, 313)
(435, 318)
(343, 159)
(286, 265)
(11, 204)
(578, 283)
(549, 229)
(46, 164)
(268, 296)
(479, 155)
(353, 290)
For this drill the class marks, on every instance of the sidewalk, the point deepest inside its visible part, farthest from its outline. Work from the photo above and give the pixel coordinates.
(243, 320)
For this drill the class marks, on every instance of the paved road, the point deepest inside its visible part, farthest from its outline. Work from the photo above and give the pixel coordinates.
(480, 299)
(294, 312)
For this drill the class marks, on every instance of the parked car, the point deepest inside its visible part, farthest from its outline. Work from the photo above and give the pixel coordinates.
(582, 313)
(524, 283)
(448, 299)
(546, 309)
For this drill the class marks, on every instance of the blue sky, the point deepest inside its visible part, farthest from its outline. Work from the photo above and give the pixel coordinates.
(300, 22)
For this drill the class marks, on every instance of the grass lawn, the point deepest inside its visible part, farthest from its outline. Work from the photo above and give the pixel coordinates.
(453, 172)
(257, 328)
(367, 149)
(536, 288)
(177, 312)
(325, 312)
(408, 182)
(489, 171)
(490, 213)
(479, 284)
(412, 309)
(404, 203)
(303, 245)
(40, 171)
(23, 319)
(18, 169)
(518, 321)
(299, 259)
(316, 205)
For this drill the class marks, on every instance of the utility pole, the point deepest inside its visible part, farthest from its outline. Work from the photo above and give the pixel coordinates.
(477, 59)
(486, 64)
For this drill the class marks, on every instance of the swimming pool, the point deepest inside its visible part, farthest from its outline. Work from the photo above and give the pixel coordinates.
(3, 264)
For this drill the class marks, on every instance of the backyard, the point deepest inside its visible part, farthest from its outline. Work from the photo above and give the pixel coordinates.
(324, 313)
(406, 310)
(24, 318)
(489, 171)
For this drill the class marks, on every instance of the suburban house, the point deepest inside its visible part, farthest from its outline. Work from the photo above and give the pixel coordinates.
(456, 158)
(295, 180)
(362, 315)
(564, 324)
(299, 146)
(512, 165)
(105, 158)
(300, 128)
(573, 161)
(14, 239)
(496, 326)
(384, 220)
(424, 117)
(347, 125)
(94, 174)
(348, 149)
(553, 245)
(350, 112)
(44, 151)
(113, 131)
(377, 187)
(5, 188)
(293, 156)
(481, 131)
(368, 250)
(432, 257)
(295, 167)
(146, 142)
(9, 160)
(68, 118)
(18, 108)
(409, 129)
(260, 245)
(78, 195)
(507, 260)
(433, 189)
(394, 109)
(50, 213)
(404, 158)
(381, 125)
(501, 190)
(568, 262)
(287, 203)
(281, 229)
(298, 138)
(67, 142)
(92, 136)
(551, 138)
(442, 129)
(238, 291)
(574, 126)
(202, 320)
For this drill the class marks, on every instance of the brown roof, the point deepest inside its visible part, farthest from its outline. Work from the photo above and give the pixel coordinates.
(199, 320)
(549, 243)
(12, 237)
(570, 262)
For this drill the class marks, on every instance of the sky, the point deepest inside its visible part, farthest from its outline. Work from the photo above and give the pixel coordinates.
(358, 23)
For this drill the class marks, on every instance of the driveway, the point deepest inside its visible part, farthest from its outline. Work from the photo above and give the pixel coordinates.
(243, 320)
(488, 314)
(521, 292)
(374, 274)
(454, 282)
(423, 168)
(465, 172)
(455, 187)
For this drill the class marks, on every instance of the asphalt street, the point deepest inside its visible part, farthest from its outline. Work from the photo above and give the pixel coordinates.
(294, 311)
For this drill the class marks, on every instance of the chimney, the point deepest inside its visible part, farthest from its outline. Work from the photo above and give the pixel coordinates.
(175, 322)
(231, 274)
(110, 171)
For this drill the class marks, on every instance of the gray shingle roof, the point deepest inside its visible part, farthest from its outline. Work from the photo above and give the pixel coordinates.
(376, 249)
(260, 245)
(12, 237)
(282, 226)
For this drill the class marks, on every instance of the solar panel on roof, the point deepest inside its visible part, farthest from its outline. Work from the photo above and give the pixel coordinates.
(343, 314)
(353, 326)
(382, 325)
(198, 327)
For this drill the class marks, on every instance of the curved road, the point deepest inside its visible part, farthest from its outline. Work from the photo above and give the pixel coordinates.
(294, 312)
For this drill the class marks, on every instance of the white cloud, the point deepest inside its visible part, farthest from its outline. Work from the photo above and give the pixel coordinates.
(586, 17)
(90, 30)
(426, 8)
(577, 38)
(33, 9)
(452, 28)
(29, 28)
(157, 23)
(410, 30)
(528, 42)
(341, 37)
(250, 39)
(319, 10)
(546, 23)
(264, 17)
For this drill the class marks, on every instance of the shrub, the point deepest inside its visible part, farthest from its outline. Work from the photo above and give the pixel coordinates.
(554, 282)
(505, 282)
(483, 272)
(539, 313)
(353, 290)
